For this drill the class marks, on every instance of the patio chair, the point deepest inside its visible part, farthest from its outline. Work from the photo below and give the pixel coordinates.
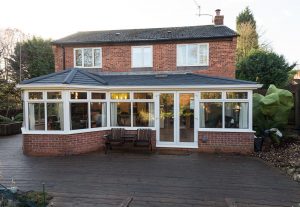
(116, 137)
(143, 138)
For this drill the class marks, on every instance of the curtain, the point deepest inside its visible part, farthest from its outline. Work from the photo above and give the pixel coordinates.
(61, 115)
(114, 114)
(31, 116)
(103, 115)
(243, 122)
(151, 114)
(202, 115)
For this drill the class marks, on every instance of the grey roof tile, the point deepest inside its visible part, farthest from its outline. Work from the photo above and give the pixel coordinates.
(82, 77)
(148, 35)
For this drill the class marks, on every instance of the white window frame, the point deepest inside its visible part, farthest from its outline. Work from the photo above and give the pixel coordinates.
(93, 58)
(143, 64)
(224, 100)
(198, 53)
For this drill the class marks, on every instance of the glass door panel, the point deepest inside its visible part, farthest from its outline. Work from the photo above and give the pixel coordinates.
(186, 117)
(166, 110)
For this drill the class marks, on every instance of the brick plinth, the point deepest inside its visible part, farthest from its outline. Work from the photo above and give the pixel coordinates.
(63, 144)
(232, 142)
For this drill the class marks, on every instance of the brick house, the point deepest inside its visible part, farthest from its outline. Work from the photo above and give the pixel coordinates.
(179, 82)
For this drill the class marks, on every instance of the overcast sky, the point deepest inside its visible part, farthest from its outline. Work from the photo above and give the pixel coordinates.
(278, 20)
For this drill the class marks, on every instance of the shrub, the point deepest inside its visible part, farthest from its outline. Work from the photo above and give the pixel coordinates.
(19, 117)
(5, 120)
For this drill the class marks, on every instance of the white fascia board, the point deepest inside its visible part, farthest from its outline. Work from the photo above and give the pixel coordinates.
(156, 88)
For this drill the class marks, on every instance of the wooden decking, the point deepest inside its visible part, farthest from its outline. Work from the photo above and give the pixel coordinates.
(151, 179)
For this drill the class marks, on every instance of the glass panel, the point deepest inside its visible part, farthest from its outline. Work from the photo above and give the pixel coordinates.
(147, 57)
(203, 58)
(98, 115)
(192, 54)
(143, 114)
(120, 96)
(211, 95)
(78, 95)
(236, 115)
(166, 103)
(120, 114)
(97, 57)
(35, 95)
(237, 95)
(187, 106)
(137, 57)
(36, 113)
(88, 57)
(181, 55)
(98, 95)
(210, 115)
(143, 95)
(78, 57)
(55, 116)
(53, 95)
(79, 115)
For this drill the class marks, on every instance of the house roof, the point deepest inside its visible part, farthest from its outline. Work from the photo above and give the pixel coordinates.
(84, 78)
(148, 35)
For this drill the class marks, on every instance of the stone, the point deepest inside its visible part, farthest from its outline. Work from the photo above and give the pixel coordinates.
(296, 177)
(290, 171)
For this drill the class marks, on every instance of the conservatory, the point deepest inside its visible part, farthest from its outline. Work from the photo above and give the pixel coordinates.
(69, 112)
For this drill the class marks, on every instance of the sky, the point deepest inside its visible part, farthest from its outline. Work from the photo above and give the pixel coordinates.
(278, 21)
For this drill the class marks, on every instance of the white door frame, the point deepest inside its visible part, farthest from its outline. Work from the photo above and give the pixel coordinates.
(177, 143)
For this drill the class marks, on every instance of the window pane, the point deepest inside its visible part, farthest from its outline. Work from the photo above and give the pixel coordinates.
(98, 95)
(53, 95)
(79, 115)
(36, 112)
(97, 57)
(78, 57)
(78, 95)
(143, 114)
(120, 96)
(55, 116)
(143, 95)
(181, 55)
(236, 115)
(211, 95)
(98, 115)
(210, 115)
(88, 57)
(237, 95)
(192, 54)
(147, 57)
(203, 58)
(35, 95)
(120, 114)
(137, 57)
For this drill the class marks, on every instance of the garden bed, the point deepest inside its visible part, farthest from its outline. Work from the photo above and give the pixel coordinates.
(285, 157)
(10, 128)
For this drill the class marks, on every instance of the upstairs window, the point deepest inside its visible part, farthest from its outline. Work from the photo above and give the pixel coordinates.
(141, 56)
(88, 57)
(192, 54)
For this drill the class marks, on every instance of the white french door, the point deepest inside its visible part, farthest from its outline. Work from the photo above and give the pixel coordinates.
(177, 119)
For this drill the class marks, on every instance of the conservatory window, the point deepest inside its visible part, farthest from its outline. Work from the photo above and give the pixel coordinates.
(35, 95)
(55, 116)
(98, 114)
(120, 114)
(211, 115)
(36, 116)
(236, 115)
(143, 114)
(79, 115)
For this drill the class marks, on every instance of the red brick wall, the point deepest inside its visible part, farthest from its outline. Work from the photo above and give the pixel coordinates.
(60, 145)
(236, 142)
(117, 58)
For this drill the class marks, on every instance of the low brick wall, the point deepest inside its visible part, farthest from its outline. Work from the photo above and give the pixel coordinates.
(233, 142)
(60, 145)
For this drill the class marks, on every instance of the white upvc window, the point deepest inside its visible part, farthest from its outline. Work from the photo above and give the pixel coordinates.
(88, 57)
(141, 56)
(193, 54)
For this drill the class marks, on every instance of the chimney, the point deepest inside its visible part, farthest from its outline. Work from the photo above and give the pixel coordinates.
(219, 19)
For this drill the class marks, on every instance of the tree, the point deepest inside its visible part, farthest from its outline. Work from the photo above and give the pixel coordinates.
(248, 37)
(36, 58)
(265, 67)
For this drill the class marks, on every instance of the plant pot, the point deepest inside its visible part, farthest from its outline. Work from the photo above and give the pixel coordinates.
(10, 129)
(258, 143)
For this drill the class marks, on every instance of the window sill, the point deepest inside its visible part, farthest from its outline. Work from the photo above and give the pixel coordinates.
(225, 130)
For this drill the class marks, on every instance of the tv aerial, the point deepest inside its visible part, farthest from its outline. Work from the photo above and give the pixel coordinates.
(199, 14)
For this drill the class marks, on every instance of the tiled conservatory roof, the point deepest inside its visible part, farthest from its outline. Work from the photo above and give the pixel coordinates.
(83, 77)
